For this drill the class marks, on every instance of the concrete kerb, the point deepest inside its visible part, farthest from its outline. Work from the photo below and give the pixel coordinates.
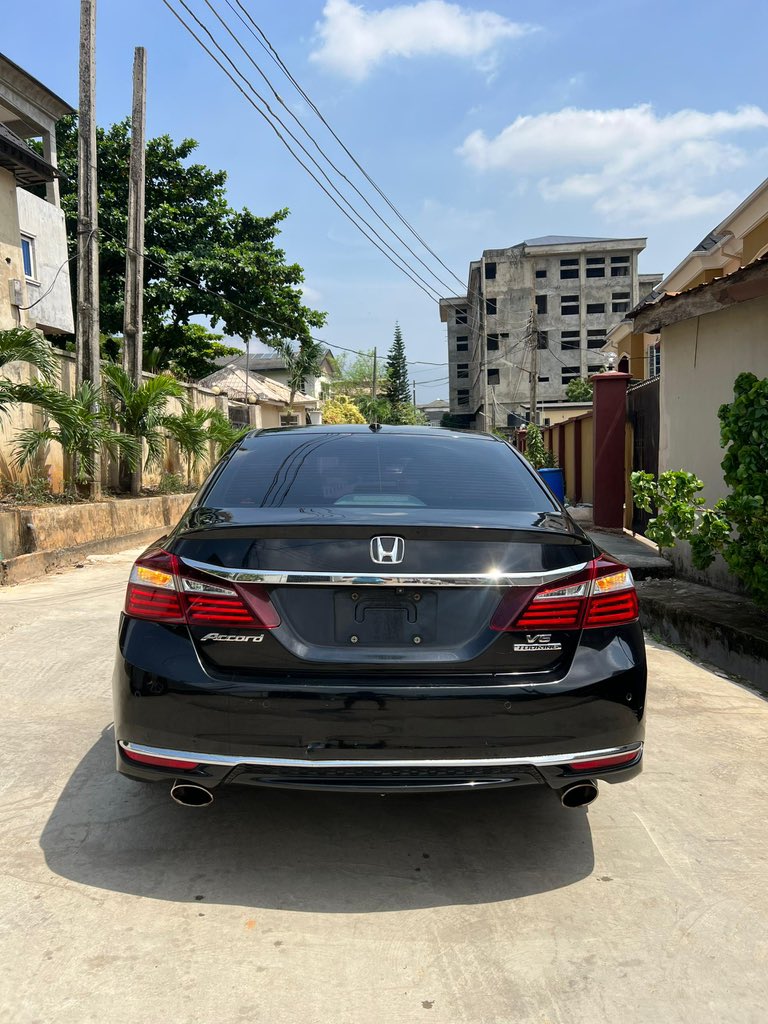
(37, 540)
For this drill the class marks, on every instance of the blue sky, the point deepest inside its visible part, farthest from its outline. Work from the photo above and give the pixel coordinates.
(486, 122)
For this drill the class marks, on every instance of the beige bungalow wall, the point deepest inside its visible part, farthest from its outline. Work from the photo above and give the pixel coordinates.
(53, 464)
(701, 359)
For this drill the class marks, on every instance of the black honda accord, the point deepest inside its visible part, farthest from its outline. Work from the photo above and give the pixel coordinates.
(378, 609)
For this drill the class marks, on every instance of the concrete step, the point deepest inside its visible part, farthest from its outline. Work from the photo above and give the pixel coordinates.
(727, 630)
(642, 559)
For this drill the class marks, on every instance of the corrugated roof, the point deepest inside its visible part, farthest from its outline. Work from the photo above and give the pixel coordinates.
(566, 240)
(756, 269)
(28, 167)
(232, 380)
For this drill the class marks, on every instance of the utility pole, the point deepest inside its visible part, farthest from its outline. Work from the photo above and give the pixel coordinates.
(134, 259)
(133, 310)
(533, 326)
(87, 340)
(413, 382)
(373, 386)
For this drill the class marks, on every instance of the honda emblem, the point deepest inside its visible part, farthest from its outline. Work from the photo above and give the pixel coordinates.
(387, 550)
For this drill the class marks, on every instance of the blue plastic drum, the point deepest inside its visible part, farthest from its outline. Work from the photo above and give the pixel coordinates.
(555, 481)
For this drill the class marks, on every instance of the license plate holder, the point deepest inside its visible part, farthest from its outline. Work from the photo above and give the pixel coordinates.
(381, 619)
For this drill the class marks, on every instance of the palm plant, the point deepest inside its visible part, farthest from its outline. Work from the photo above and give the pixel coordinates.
(81, 427)
(300, 362)
(190, 432)
(140, 411)
(23, 344)
(222, 433)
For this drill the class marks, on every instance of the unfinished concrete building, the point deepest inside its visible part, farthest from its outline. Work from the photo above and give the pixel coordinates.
(541, 307)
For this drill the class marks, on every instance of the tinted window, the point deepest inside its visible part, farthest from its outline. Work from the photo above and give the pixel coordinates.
(314, 468)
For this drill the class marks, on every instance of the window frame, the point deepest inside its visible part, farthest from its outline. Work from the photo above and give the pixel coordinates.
(29, 240)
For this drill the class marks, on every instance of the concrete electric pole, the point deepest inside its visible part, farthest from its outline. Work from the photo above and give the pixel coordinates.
(133, 310)
(134, 260)
(87, 339)
(533, 338)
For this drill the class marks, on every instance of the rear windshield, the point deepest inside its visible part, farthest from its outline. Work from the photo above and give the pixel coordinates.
(297, 469)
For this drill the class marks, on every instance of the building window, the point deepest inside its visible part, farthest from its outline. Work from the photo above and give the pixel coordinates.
(461, 315)
(595, 339)
(619, 266)
(462, 369)
(28, 256)
(569, 305)
(287, 420)
(462, 396)
(595, 369)
(570, 339)
(595, 307)
(541, 304)
(462, 343)
(492, 342)
(566, 273)
(619, 271)
(542, 380)
(542, 340)
(570, 263)
(620, 302)
(490, 307)
(493, 377)
(595, 261)
(568, 373)
(615, 260)
(490, 271)
(654, 360)
(541, 273)
(596, 267)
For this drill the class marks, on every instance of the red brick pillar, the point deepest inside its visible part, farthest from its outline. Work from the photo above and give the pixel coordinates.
(609, 423)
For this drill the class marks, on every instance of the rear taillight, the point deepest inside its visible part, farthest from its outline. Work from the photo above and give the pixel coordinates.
(159, 762)
(162, 589)
(603, 594)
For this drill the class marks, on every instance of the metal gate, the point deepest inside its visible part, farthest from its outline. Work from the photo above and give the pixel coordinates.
(643, 414)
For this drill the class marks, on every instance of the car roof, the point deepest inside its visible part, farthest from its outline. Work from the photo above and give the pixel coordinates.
(383, 428)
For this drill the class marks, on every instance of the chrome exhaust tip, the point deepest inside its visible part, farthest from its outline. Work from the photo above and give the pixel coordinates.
(579, 794)
(189, 794)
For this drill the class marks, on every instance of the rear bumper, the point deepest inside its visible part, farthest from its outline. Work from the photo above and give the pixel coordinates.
(386, 775)
(375, 731)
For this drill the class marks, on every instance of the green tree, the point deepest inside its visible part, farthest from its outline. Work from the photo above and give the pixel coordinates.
(222, 433)
(579, 390)
(396, 388)
(191, 432)
(301, 361)
(22, 344)
(140, 412)
(81, 427)
(199, 249)
(535, 449)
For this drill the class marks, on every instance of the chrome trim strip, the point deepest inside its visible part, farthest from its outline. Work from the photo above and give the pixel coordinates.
(384, 579)
(232, 760)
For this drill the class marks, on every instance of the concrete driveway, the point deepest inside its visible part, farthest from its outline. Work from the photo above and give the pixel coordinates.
(115, 904)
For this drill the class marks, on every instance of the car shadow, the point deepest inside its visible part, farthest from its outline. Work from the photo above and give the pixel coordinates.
(318, 852)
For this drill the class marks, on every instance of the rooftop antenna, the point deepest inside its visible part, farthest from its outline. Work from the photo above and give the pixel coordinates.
(375, 425)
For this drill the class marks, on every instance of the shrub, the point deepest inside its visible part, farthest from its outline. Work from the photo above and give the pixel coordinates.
(737, 526)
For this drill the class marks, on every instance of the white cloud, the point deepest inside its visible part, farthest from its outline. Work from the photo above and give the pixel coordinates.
(353, 41)
(624, 162)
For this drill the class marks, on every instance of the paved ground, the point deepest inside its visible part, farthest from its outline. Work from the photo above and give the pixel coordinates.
(115, 904)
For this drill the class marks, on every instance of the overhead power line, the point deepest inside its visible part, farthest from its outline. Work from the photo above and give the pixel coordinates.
(355, 217)
(205, 290)
(263, 41)
(320, 149)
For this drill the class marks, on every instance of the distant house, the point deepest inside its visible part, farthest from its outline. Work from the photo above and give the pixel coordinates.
(34, 273)
(269, 398)
(272, 365)
(434, 411)
(736, 241)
